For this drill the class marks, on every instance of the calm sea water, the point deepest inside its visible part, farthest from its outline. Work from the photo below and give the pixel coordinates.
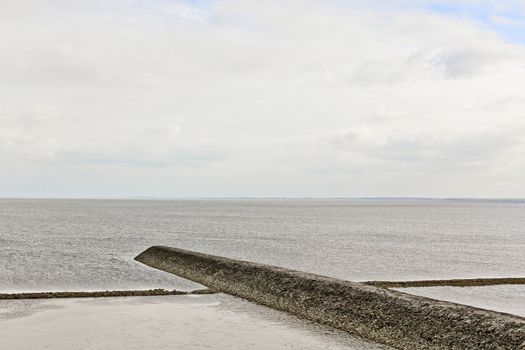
(90, 244)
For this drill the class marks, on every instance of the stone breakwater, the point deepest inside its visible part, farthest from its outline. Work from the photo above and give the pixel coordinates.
(385, 316)
(100, 294)
(474, 282)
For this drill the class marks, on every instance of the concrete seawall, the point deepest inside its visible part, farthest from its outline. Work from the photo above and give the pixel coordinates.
(389, 317)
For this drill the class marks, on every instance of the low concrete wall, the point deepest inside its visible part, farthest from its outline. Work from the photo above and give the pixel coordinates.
(389, 317)
(471, 282)
(100, 294)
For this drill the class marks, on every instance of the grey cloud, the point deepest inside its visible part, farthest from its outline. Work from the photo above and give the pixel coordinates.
(155, 149)
(175, 158)
(466, 62)
(430, 146)
(429, 63)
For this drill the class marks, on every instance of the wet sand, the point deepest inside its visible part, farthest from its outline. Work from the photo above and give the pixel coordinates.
(184, 322)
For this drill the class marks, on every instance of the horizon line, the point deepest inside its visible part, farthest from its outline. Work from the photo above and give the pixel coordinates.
(260, 198)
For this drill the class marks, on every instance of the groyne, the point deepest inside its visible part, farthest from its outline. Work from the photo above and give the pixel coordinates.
(385, 316)
(470, 282)
(100, 294)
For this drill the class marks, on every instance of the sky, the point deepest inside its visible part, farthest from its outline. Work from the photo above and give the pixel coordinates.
(221, 98)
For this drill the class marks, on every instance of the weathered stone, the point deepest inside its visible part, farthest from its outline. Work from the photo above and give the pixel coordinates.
(389, 317)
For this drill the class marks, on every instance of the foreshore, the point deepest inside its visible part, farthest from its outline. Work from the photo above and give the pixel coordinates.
(189, 322)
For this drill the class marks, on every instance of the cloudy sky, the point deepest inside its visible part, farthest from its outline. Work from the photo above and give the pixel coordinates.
(344, 98)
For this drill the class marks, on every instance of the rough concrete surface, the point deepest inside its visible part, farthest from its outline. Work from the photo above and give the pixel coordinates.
(389, 317)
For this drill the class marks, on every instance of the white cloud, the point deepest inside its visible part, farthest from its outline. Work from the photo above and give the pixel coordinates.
(299, 98)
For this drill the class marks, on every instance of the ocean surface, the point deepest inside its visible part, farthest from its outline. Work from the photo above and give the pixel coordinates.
(90, 244)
